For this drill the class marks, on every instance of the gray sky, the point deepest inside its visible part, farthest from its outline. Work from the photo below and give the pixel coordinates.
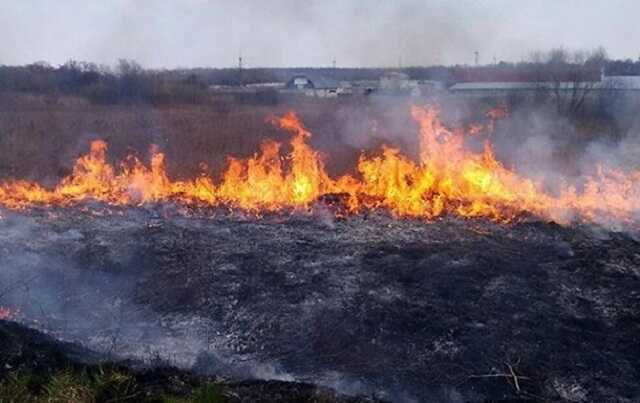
(170, 33)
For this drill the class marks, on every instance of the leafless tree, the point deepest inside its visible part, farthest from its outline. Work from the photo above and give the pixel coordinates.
(570, 79)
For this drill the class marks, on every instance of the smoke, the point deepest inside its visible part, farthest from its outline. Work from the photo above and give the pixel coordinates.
(65, 285)
(162, 33)
(75, 303)
(555, 151)
(51, 281)
(559, 153)
(537, 143)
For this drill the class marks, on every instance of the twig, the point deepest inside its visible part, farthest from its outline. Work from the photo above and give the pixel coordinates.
(515, 377)
(511, 375)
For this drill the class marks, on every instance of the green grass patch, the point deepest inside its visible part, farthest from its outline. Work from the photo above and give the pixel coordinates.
(100, 385)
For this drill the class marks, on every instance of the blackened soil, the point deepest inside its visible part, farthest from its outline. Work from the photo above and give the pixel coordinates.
(28, 352)
(452, 310)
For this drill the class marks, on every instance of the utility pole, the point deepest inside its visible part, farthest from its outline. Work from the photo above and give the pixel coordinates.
(334, 72)
(477, 56)
(240, 70)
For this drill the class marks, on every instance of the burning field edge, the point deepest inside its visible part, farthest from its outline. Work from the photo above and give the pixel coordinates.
(445, 276)
(457, 172)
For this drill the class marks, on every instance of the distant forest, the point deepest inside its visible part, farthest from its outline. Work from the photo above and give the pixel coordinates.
(129, 82)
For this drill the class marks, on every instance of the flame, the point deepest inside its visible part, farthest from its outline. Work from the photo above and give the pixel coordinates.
(498, 112)
(448, 178)
(6, 313)
(262, 182)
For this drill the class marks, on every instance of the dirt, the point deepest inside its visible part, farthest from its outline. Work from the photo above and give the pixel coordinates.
(404, 310)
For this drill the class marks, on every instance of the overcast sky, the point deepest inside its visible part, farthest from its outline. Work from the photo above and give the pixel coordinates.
(170, 33)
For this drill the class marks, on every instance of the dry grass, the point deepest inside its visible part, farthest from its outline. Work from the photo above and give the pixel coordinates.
(40, 137)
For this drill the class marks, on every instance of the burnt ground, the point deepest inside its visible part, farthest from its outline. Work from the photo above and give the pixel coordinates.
(28, 352)
(452, 310)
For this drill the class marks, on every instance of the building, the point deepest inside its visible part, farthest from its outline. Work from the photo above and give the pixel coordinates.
(623, 83)
(266, 86)
(313, 85)
(363, 87)
(394, 81)
(502, 89)
(495, 89)
(420, 88)
(399, 83)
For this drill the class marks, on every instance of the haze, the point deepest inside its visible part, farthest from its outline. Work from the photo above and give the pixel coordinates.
(279, 33)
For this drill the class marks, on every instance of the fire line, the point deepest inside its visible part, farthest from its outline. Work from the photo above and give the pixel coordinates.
(447, 179)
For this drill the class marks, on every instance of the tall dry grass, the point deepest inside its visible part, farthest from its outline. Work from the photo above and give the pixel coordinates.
(41, 136)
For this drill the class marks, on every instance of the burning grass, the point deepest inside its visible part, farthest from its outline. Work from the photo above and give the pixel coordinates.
(449, 178)
(401, 293)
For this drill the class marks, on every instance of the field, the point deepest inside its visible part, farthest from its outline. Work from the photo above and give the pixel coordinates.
(398, 309)
(368, 303)
(40, 137)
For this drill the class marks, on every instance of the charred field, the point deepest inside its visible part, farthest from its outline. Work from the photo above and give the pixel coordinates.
(301, 268)
(399, 309)
(331, 201)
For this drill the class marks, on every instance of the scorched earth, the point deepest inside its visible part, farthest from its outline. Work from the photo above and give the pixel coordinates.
(403, 309)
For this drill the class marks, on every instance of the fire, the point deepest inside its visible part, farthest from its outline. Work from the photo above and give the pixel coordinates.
(6, 313)
(448, 178)
(263, 181)
(498, 112)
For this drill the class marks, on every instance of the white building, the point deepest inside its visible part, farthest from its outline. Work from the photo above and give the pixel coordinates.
(501, 89)
(314, 85)
(394, 81)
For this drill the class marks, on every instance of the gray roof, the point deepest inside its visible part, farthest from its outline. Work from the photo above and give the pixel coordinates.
(488, 86)
(318, 81)
(609, 83)
(395, 75)
(512, 86)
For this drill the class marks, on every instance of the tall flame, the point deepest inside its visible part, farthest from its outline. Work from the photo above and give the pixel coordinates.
(448, 178)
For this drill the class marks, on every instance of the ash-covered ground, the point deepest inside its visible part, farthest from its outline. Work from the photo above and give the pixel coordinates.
(452, 310)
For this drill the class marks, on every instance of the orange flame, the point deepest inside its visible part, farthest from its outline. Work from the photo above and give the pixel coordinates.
(448, 179)
(6, 313)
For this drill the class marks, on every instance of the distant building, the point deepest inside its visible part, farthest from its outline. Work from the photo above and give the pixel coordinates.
(229, 89)
(495, 89)
(498, 89)
(364, 87)
(314, 85)
(266, 86)
(394, 81)
(623, 83)
(419, 88)
(245, 89)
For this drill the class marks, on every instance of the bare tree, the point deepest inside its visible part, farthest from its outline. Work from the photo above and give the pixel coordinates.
(568, 78)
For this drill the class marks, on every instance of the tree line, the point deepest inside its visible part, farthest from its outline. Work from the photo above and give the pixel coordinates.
(129, 82)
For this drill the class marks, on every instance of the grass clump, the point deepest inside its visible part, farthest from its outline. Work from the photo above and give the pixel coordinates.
(100, 385)
(16, 388)
(67, 386)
